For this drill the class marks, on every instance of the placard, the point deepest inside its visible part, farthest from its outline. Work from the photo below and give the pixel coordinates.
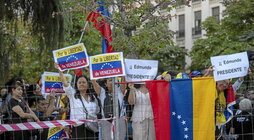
(230, 66)
(140, 70)
(107, 65)
(51, 82)
(72, 57)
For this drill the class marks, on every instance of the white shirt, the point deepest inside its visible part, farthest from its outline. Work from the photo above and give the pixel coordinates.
(103, 96)
(142, 108)
(76, 107)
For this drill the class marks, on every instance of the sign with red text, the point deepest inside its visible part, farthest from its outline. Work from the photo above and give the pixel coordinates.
(51, 82)
(107, 65)
(230, 66)
(72, 57)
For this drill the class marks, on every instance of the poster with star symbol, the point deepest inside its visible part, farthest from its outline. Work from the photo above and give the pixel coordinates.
(72, 57)
(107, 65)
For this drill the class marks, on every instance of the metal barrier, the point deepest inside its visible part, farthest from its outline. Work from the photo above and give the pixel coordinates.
(226, 134)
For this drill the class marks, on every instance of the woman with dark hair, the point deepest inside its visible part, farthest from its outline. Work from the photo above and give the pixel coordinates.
(20, 111)
(83, 105)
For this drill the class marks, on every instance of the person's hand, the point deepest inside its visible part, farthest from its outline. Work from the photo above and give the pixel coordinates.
(33, 117)
(210, 69)
(167, 77)
(87, 68)
(249, 71)
(57, 66)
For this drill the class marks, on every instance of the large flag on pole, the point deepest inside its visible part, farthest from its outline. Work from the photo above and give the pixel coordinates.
(99, 18)
(183, 109)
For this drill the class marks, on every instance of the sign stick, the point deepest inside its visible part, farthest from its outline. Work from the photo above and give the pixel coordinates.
(82, 34)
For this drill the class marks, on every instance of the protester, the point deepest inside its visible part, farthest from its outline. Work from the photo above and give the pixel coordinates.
(249, 94)
(20, 111)
(106, 97)
(243, 122)
(83, 105)
(3, 104)
(142, 117)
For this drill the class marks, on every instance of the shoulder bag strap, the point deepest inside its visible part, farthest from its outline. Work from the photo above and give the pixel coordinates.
(84, 107)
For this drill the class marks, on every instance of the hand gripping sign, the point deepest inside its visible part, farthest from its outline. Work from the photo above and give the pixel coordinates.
(51, 82)
(230, 66)
(107, 65)
(72, 57)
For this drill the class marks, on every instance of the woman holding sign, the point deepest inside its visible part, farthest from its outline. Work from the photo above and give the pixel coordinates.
(83, 105)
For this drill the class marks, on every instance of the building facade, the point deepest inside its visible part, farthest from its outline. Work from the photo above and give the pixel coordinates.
(187, 19)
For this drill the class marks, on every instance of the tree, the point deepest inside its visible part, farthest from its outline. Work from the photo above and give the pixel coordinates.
(235, 33)
(31, 29)
(141, 31)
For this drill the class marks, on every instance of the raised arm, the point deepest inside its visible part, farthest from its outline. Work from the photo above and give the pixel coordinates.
(95, 84)
(132, 95)
(96, 87)
(51, 106)
(123, 86)
(64, 81)
(208, 72)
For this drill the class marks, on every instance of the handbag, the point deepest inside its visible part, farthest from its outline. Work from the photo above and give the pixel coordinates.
(93, 126)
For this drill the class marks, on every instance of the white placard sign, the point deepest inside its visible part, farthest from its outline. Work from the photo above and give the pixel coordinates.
(230, 66)
(140, 70)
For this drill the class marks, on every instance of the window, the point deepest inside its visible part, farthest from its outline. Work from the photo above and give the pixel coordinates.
(197, 27)
(216, 13)
(181, 25)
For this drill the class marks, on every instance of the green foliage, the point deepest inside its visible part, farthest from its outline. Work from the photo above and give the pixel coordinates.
(141, 31)
(234, 34)
(30, 34)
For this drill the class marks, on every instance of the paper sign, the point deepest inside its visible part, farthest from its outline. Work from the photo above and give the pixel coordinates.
(140, 70)
(107, 65)
(51, 82)
(72, 57)
(230, 66)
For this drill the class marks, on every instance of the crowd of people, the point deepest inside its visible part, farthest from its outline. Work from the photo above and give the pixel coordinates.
(91, 99)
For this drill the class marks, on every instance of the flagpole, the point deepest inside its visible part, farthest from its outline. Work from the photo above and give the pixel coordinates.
(82, 34)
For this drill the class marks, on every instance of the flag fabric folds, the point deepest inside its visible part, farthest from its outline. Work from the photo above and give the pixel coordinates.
(99, 18)
(230, 96)
(184, 108)
(224, 106)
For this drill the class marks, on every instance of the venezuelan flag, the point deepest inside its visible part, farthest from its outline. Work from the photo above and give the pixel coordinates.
(55, 133)
(184, 108)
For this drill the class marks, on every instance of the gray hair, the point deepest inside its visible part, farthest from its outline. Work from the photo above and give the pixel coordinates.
(245, 104)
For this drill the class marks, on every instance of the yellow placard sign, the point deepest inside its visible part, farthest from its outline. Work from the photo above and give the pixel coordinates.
(54, 130)
(50, 78)
(106, 58)
(70, 51)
